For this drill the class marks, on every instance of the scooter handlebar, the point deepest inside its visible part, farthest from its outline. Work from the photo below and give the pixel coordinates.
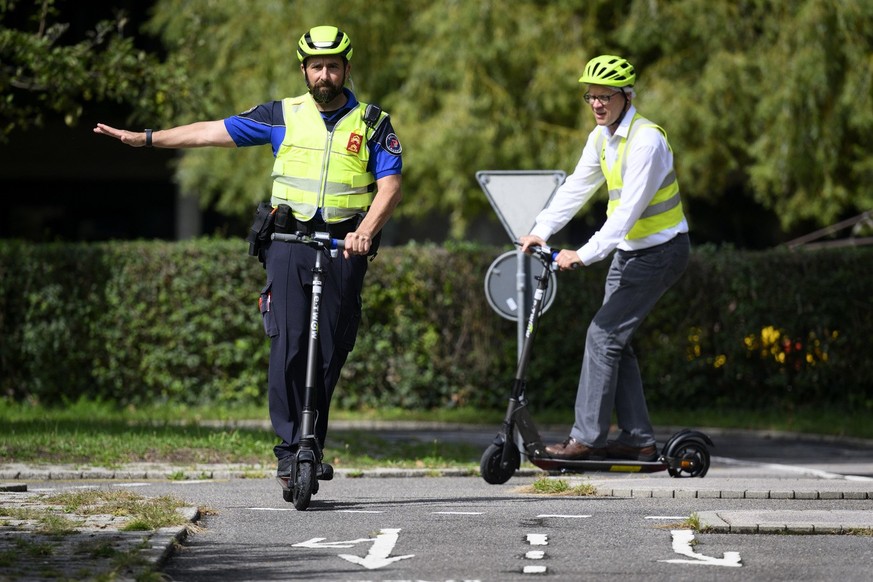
(549, 255)
(543, 253)
(316, 239)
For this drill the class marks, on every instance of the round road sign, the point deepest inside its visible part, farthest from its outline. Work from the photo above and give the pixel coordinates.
(501, 285)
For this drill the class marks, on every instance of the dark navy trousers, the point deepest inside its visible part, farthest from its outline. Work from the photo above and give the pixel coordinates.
(285, 306)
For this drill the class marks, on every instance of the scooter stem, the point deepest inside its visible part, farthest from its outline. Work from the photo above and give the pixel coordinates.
(307, 427)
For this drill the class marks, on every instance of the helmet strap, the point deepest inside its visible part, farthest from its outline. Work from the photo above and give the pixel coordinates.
(623, 109)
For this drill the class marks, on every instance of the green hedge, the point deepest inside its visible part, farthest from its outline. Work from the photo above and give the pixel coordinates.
(137, 322)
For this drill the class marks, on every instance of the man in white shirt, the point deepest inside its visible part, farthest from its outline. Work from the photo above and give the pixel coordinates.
(647, 229)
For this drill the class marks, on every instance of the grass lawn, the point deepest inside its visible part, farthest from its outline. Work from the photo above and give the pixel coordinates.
(97, 434)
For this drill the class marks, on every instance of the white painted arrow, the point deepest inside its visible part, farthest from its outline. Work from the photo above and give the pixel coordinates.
(380, 551)
(320, 543)
(682, 539)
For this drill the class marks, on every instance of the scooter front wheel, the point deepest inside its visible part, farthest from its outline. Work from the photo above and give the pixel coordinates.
(492, 468)
(304, 483)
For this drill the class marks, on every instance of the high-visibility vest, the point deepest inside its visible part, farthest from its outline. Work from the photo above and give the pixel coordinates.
(665, 209)
(316, 168)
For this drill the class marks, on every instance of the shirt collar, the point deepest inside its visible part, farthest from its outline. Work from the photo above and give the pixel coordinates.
(353, 101)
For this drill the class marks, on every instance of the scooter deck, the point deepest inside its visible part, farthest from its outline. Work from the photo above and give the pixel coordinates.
(600, 465)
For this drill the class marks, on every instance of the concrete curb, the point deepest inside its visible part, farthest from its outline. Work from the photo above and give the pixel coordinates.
(163, 541)
(692, 493)
(11, 472)
(804, 522)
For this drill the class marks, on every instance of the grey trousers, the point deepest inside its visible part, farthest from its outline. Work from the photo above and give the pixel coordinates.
(610, 377)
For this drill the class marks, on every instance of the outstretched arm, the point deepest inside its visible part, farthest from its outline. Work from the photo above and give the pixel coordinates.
(194, 135)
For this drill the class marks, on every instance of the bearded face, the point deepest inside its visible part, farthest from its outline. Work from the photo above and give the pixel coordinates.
(325, 77)
(325, 91)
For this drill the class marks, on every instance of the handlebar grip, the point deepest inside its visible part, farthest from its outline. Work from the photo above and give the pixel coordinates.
(555, 258)
(285, 237)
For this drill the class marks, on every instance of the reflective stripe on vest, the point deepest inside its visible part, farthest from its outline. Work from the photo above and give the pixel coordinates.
(316, 169)
(665, 209)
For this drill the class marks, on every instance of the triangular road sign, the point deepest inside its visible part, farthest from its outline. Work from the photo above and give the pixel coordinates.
(518, 196)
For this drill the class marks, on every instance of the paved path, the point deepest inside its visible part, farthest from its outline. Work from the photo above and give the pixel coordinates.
(745, 465)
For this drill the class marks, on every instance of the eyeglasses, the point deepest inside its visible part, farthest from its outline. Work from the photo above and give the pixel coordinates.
(604, 99)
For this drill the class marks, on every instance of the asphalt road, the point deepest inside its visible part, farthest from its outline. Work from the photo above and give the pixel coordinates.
(463, 529)
(400, 525)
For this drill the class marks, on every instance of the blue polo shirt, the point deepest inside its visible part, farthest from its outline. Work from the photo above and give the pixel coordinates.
(265, 124)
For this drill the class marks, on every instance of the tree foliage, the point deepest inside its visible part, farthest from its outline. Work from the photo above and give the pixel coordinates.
(774, 94)
(767, 99)
(47, 68)
(768, 103)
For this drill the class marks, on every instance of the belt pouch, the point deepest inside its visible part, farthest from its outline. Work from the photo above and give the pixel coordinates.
(284, 219)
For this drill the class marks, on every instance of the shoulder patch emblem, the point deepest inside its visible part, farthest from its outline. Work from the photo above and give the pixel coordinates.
(392, 144)
(355, 141)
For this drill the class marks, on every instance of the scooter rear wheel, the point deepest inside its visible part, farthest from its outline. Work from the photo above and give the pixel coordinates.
(301, 494)
(490, 467)
(690, 459)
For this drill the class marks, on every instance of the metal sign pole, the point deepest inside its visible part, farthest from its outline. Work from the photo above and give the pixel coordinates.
(522, 295)
(517, 197)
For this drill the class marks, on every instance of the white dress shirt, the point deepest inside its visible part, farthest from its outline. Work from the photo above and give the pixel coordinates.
(649, 160)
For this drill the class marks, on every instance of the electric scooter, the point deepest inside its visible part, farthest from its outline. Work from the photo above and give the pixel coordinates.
(685, 454)
(302, 484)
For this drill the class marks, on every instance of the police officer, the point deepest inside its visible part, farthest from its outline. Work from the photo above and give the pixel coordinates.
(338, 169)
(646, 228)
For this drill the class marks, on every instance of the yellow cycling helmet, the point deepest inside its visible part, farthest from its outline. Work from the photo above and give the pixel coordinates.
(609, 70)
(322, 41)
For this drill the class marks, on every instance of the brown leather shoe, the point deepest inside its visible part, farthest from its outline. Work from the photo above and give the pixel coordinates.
(573, 450)
(617, 450)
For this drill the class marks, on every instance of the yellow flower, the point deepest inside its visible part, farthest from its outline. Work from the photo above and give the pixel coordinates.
(770, 335)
